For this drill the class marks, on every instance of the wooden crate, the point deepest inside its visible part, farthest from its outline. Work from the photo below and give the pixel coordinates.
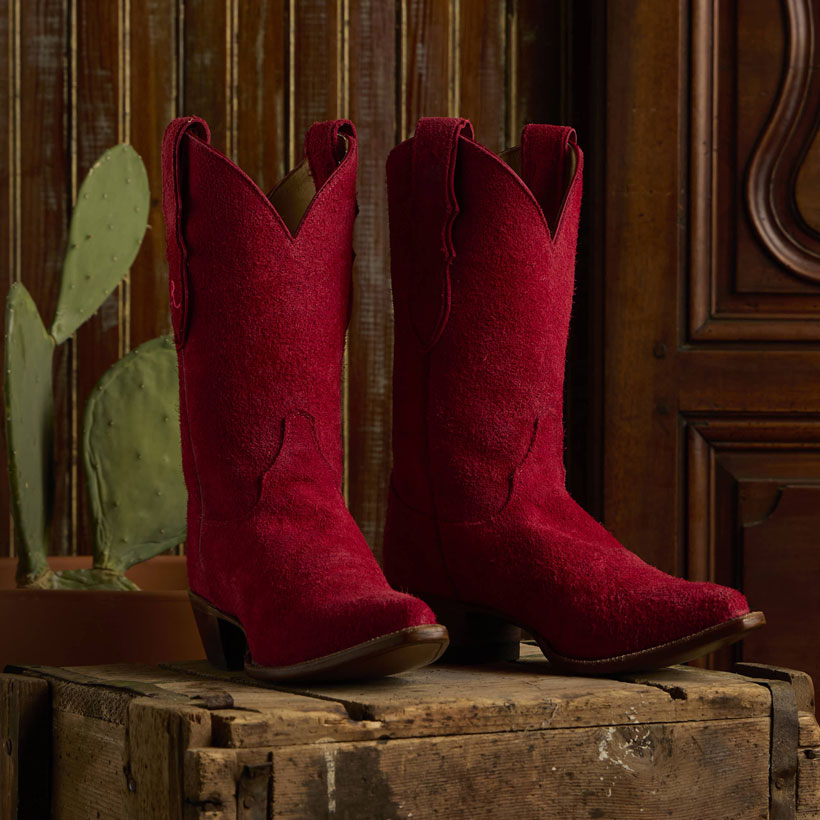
(507, 741)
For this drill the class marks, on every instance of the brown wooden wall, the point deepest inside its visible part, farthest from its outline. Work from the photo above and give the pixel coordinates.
(80, 75)
(693, 400)
(712, 293)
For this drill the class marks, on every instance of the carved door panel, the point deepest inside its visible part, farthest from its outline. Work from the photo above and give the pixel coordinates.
(712, 299)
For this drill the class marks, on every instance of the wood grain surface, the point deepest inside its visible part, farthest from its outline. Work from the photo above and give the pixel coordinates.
(510, 740)
(712, 311)
(81, 76)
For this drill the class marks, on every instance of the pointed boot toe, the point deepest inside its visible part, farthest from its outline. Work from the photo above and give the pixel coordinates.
(378, 634)
(666, 621)
(696, 618)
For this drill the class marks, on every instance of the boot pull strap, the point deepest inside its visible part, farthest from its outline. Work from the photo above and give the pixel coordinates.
(435, 208)
(326, 145)
(545, 158)
(172, 200)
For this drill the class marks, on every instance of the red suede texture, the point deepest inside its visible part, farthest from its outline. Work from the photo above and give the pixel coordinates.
(260, 343)
(478, 476)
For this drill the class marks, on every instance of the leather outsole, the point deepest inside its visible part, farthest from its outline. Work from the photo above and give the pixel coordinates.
(410, 648)
(668, 654)
(482, 635)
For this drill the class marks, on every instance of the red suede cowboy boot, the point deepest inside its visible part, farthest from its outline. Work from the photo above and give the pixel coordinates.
(479, 522)
(260, 293)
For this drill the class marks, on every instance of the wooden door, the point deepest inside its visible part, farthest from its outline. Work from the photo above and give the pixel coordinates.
(712, 303)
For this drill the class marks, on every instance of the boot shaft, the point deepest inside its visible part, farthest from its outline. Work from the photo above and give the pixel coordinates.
(483, 272)
(259, 309)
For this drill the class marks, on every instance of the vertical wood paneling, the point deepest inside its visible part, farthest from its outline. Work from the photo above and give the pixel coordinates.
(152, 58)
(42, 151)
(482, 54)
(426, 61)
(98, 126)
(537, 92)
(7, 170)
(317, 81)
(370, 341)
(43, 204)
(583, 91)
(206, 79)
(7, 124)
(262, 90)
(642, 202)
(261, 72)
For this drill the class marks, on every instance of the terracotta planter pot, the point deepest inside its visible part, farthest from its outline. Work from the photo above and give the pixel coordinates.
(79, 627)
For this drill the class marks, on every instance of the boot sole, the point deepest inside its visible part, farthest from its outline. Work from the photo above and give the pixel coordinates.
(481, 635)
(226, 647)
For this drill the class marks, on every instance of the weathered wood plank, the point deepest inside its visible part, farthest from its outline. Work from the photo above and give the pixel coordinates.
(508, 697)
(88, 767)
(482, 56)
(318, 81)
(25, 735)
(514, 696)
(689, 771)
(207, 79)
(216, 782)
(428, 68)
(138, 672)
(153, 103)
(158, 736)
(9, 766)
(262, 63)
(210, 780)
(538, 63)
(370, 340)
(809, 731)
(800, 681)
(808, 783)
(257, 715)
(178, 742)
(7, 224)
(94, 701)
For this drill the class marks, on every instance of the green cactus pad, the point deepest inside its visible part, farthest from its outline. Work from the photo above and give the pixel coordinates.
(107, 226)
(133, 458)
(29, 413)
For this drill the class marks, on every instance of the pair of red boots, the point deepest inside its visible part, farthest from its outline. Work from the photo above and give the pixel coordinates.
(480, 528)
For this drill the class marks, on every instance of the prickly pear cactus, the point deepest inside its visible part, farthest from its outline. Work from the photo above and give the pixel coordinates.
(132, 457)
(29, 424)
(107, 226)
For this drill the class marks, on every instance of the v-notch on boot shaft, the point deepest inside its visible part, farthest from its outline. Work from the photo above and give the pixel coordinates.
(260, 289)
(479, 523)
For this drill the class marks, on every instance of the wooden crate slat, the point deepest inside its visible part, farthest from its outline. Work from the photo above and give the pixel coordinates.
(25, 753)
(686, 770)
(506, 740)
